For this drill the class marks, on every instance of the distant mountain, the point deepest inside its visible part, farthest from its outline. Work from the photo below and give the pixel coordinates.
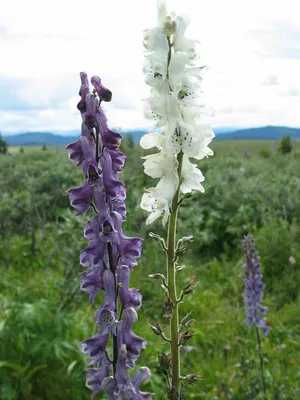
(265, 132)
(50, 139)
(38, 139)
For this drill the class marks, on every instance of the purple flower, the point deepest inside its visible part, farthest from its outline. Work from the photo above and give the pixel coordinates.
(92, 283)
(83, 91)
(95, 377)
(95, 347)
(254, 287)
(109, 255)
(106, 317)
(81, 198)
(130, 297)
(90, 113)
(103, 93)
(110, 139)
(134, 344)
(124, 387)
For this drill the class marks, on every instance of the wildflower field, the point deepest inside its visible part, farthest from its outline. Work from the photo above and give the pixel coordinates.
(44, 315)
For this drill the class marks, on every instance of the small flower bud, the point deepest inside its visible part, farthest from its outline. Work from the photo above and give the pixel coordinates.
(165, 363)
(168, 308)
(157, 276)
(169, 26)
(190, 379)
(155, 330)
(190, 287)
(185, 337)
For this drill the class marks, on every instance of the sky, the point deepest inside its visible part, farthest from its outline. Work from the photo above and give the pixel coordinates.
(251, 50)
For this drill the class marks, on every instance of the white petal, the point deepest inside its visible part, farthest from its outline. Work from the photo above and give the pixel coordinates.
(151, 140)
(176, 69)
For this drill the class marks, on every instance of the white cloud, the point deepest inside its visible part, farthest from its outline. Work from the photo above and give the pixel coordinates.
(45, 44)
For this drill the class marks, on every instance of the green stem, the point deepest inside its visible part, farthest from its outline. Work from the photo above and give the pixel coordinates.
(261, 362)
(115, 337)
(174, 323)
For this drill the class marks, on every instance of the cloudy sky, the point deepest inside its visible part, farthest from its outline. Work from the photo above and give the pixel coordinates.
(251, 48)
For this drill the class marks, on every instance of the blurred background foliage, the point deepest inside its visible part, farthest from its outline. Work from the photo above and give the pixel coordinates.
(44, 316)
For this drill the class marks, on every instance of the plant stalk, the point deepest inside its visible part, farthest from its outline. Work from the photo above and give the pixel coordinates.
(115, 337)
(261, 363)
(174, 323)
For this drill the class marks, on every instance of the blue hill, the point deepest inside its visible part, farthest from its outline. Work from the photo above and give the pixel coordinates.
(50, 139)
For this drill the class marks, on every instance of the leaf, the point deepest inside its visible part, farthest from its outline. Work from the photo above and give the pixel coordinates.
(71, 366)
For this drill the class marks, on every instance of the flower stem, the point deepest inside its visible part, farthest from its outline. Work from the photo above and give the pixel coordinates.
(115, 337)
(261, 362)
(174, 323)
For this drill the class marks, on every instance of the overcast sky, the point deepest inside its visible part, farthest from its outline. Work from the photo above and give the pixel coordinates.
(251, 48)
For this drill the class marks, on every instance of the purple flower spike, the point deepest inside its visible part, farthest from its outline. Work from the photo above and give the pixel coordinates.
(95, 378)
(130, 297)
(110, 255)
(103, 93)
(254, 287)
(134, 344)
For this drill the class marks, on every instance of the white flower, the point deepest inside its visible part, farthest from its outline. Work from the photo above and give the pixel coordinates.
(158, 200)
(155, 69)
(191, 177)
(155, 39)
(192, 142)
(181, 43)
(159, 164)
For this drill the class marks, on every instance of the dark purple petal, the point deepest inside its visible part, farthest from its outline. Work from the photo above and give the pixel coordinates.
(117, 159)
(142, 374)
(81, 198)
(95, 348)
(114, 188)
(95, 377)
(103, 93)
(92, 283)
(109, 386)
(134, 344)
(130, 297)
(83, 153)
(90, 114)
(83, 91)
(110, 139)
(124, 386)
(106, 317)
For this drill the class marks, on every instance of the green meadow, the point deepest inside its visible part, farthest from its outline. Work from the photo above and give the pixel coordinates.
(249, 188)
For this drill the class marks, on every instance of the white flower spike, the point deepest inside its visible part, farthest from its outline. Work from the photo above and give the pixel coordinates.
(171, 70)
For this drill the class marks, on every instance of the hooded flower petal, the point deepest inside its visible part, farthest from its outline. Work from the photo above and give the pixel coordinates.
(95, 377)
(191, 177)
(90, 114)
(142, 374)
(134, 344)
(130, 297)
(92, 283)
(103, 93)
(106, 317)
(81, 198)
(95, 347)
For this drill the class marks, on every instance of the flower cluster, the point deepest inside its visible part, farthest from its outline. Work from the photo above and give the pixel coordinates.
(110, 255)
(254, 287)
(172, 70)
